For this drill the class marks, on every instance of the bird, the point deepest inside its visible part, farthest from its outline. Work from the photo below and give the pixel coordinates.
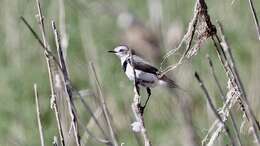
(141, 71)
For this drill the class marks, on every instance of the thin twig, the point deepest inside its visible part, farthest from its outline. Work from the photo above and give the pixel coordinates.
(33, 32)
(48, 53)
(104, 107)
(38, 114)
(71, 106)
(41, 22)
(252, 8)
(204, 89)
(212, 69)
(59, 50)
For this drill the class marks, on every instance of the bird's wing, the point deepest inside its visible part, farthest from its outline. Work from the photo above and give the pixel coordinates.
(141, 64)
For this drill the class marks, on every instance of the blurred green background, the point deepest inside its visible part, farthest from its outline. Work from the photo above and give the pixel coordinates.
(95, 26)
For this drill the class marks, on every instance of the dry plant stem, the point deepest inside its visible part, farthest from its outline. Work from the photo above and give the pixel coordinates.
(213, 108)
(60, 53)
(71, 106)
(49, 60)
(249, 112)
(33, 32)
(227, 66)
(50, 56)
(55, 107)
(104, 107)
(136, 107)
(38, 114)
(229, 57)
(41, 23)
(252, 8)
(223, 97)
(212, 69)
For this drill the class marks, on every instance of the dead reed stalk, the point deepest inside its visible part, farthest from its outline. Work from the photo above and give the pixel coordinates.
(67, 85)
(68, 88)
(52, 63)
(38, 114)
(50, 59)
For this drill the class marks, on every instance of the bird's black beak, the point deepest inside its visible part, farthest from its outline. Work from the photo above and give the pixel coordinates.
(111, 51)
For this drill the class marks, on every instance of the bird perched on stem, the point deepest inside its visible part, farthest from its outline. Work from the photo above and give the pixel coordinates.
(141, 71)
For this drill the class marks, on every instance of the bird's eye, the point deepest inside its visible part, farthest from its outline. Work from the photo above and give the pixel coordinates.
(121, 50)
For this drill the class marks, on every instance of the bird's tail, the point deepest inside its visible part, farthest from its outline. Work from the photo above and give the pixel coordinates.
(165, 81)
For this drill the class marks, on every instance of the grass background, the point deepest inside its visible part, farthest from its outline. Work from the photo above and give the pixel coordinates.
(93, 30)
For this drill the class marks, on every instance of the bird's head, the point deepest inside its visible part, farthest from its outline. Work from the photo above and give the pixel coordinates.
(120, 51)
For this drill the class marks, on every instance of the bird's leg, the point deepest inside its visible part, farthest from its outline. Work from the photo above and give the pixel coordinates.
(140, 107)
(149, 94)
(137, 88)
